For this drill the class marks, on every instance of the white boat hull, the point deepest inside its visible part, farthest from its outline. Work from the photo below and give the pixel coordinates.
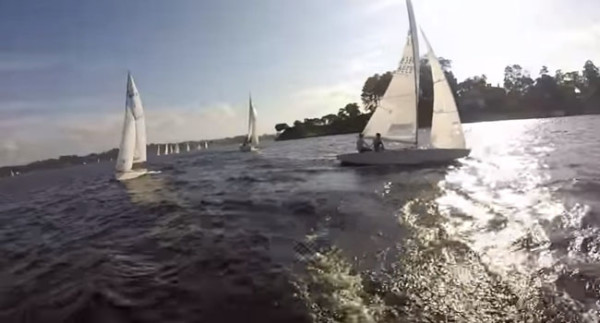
(248, 148)
(411, 157)
(124, 176)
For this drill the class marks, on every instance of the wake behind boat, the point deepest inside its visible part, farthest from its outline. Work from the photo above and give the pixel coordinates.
(396, 116)
(132, 151)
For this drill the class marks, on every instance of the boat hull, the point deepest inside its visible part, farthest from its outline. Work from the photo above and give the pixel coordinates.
(412, 157)
(248, 148)
(124, 176)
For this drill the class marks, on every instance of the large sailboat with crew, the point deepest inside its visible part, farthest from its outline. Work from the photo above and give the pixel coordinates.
(395, 119)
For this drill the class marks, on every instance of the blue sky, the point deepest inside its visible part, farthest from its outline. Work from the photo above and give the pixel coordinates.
(63, 63)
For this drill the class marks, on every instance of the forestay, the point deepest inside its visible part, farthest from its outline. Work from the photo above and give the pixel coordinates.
(446, 129)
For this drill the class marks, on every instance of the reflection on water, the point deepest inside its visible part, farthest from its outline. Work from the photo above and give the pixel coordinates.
(509, 234)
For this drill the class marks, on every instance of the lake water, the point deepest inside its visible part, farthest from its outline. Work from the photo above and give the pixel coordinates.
(510, 234)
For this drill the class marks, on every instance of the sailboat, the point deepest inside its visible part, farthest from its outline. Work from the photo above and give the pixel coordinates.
(177, 148)
(251, 141)
(166, 152)
(396, 116)
(12, 174)
(187, 147)
(157, 150)
(206, 145)
(132, 151)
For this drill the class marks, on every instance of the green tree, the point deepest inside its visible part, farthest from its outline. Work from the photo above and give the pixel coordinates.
(329, 119)
(516, 80)
(281, 127)
(374, 89)
(352, 110)
(591, 76)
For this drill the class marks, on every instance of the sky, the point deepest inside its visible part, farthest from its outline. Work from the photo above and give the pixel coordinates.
(63, 63)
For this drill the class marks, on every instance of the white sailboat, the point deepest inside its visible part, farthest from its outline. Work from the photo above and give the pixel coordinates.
(177, 148)
(187, 147)
(396, 117)
(132, 151)
(251, 141)
(157, 150)
(12, 174)
(206, 145)
(166, 151)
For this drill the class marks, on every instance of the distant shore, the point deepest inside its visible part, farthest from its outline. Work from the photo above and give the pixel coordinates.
(111, 155)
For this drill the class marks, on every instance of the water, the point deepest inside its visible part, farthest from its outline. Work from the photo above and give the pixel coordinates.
(511, 234)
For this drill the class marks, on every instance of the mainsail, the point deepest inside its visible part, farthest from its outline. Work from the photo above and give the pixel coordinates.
(166, 149)
(187, 147)
(133, 141)
(396, 116)
(446, 129)
(252, 135)
(177, 148)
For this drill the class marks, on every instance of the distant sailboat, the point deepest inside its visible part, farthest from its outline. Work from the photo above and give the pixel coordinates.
(187, 147)
(157, 150)
(396, 117)
(177, 148)
(251, 141)
(132, 151)
(166, 149)
(12, 174)
(206, 145)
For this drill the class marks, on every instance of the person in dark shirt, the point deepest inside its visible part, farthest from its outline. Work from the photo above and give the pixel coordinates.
(378, 143)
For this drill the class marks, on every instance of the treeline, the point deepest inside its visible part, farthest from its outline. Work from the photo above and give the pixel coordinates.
(520, 96)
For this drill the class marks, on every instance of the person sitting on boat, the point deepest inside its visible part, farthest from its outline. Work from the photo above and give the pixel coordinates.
(246, 142)
(361, 144)
(378, 143)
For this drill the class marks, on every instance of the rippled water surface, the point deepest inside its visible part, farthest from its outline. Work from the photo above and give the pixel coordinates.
(510, 234)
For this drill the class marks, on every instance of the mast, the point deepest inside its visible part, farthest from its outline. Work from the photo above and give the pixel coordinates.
(413, 32)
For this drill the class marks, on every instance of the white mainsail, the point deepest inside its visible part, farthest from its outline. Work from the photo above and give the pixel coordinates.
(252, 135)
(206, 145)
(177, 148)
(396, 116)
(133, 141)
(157, 150)
(446, 128)
(166, 149)
(187, 147)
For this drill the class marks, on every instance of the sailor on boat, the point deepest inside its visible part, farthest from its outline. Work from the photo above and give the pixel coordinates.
(378, 143)
(361, 144)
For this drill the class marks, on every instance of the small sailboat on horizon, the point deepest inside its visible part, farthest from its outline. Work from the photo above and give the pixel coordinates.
(396, 118)
(251, 141)
(132, 151)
